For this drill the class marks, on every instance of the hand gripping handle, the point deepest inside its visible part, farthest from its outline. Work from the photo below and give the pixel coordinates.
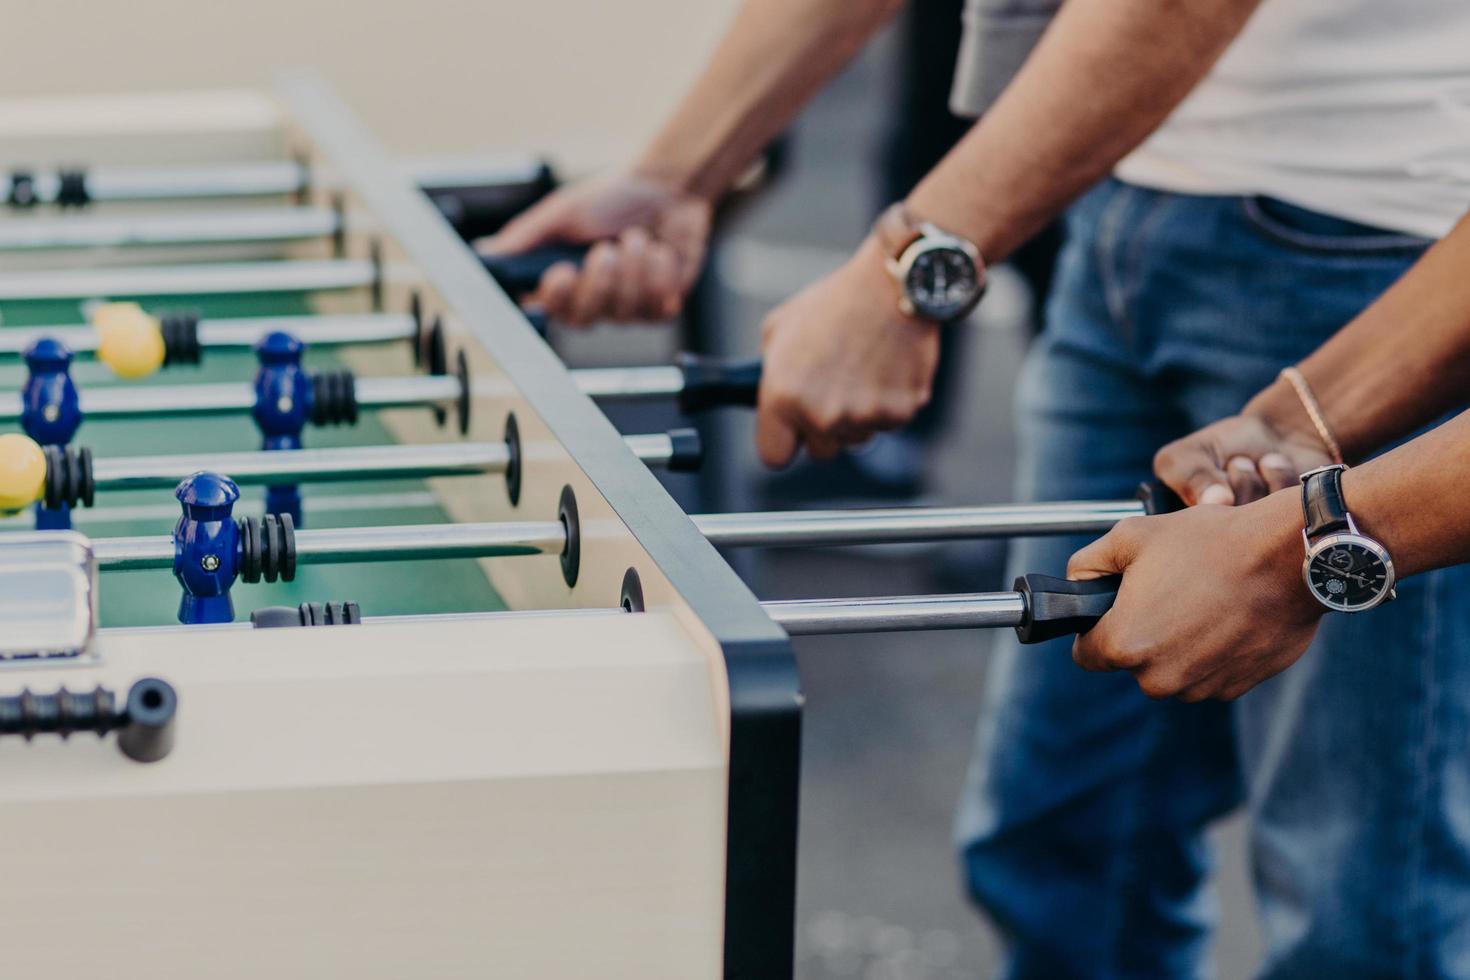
(714, 383)
(1060, 607)
(521, 274)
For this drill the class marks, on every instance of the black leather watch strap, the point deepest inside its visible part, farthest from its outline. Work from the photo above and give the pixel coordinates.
(1323, 508)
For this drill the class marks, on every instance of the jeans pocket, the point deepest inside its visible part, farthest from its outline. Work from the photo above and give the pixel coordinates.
(1321, 234)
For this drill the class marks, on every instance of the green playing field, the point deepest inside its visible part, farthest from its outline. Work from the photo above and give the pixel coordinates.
(152, 597)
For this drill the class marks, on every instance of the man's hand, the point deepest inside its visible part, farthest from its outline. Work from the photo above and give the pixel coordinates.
(841, 363)
(1267, 447)
(650, 242)
(1212, 601)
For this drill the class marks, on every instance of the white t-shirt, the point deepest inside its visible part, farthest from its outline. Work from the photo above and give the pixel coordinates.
(1354, 108)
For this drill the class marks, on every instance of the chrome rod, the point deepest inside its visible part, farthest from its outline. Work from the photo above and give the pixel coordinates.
(336, 465)
(851, 527)
(798, 617)
(341, 503)
(314, 331)
(629, 382)
(250, 179)
(408, 542)
(270, 178)
(655, 449)
(240, 332)
(193, 228)
(165, 401)
(887, 614)
(197, 279)
(305, 465)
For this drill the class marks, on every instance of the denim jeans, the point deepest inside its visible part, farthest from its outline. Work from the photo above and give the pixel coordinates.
(1082, 824)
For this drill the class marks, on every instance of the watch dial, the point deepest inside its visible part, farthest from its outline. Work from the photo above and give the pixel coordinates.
(942, 283)
(1347, 576)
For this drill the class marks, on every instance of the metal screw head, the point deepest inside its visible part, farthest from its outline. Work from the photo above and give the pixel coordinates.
(210, 563)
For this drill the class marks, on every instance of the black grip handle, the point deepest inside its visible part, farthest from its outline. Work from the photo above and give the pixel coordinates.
(713, 383)
(521, 274)
(687, 451)
(1158, 498)
(307, 614)
(481, 204)
(144, 723)
(148, 734)
(1060, 607)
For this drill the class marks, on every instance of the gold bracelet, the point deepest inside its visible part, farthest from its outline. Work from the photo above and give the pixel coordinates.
(1314, 411)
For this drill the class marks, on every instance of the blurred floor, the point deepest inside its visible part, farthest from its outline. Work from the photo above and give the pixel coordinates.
(889, 718)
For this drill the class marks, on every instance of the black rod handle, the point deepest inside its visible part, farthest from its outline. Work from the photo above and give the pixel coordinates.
(1158, 498)
(715, 383)
(144, 724)
(686, 453)
(148, 734)
(1061, 607)
(520, 274)
(482, 203)
(346, 613)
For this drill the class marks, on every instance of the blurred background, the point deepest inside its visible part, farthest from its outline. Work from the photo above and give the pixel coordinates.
(889, 718)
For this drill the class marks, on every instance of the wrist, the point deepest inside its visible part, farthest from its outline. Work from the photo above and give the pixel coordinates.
(1276, 524)
(668, 177)
(983, 229)
(1280, 407)
(872, 258)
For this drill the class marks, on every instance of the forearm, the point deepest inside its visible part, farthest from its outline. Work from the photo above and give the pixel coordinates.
(1104, 76)
(775, 57)
(1413, 499)
(1401, 364)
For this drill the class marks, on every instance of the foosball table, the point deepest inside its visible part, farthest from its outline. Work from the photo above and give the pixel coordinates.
(419, 672)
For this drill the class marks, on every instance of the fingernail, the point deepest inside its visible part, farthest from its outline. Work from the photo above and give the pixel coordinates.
(1243, 463)
(1276, 461)
(1217, 493)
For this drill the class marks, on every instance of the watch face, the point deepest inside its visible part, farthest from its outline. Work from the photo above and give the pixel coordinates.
(1349, 573)
(942, 283)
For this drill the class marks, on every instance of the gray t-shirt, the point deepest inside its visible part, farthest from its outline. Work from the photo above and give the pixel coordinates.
(998, 36)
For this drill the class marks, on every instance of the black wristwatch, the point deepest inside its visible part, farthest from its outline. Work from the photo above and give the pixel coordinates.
(1345, 570)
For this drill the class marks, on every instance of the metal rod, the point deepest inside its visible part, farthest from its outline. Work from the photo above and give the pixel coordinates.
(336, 465)
(408, 542)
(193, 228)
(803, 617)
(249, 179)
(441, 541)
(240, 332)
(851, 527)
(341, 503)
(269, 178)
(799, 617)
(167, 401)
(314, 331)
(305, 465)
(197, 279)
(629, 382)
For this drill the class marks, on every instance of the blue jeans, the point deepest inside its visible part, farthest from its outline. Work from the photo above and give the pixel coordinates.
(1082, 826)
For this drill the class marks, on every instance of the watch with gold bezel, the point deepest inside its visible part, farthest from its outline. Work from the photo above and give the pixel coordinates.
(940, 276)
